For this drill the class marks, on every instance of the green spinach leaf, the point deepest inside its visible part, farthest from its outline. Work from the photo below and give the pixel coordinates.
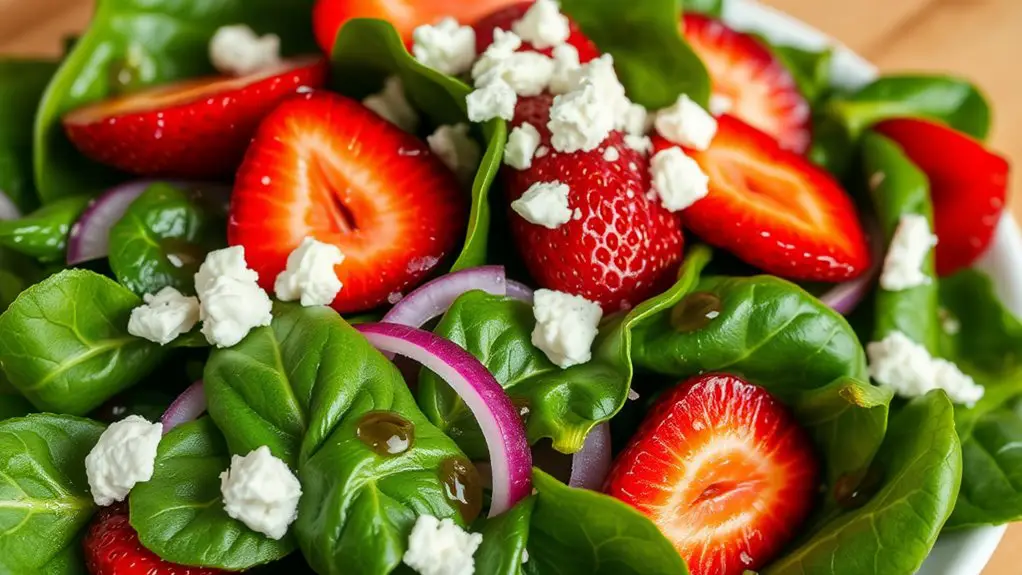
(21, 86)
(17, 273)
(43, 233)
(179, 513)
(652, 59)
(66, 347)
(44, 495)
(916, 478)
(953, 101)
(504, 540)
(133, 44)
(366, 52)
(12, 404)
(898, 188)
(581, 532)
(810, 68)
(714, 8)
(163, 237)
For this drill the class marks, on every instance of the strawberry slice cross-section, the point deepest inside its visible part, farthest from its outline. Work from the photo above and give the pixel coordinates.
(323, 165)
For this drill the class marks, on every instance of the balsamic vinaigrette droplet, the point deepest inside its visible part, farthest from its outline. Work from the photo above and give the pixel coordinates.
(523, 406)
(853, 490)
(182, 254)
(462, 486)
(386, 432)
(695, 311)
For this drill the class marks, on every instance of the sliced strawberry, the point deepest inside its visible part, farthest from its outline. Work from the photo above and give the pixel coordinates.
(760, 89)
(506, 17)
(623, 248)
(192, 129)
(112, 548)
(724, 471)
(329, 15)
(968, 184)
(324, 166)
(774, 209)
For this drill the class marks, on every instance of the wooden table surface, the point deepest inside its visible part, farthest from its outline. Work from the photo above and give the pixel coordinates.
(981, 39)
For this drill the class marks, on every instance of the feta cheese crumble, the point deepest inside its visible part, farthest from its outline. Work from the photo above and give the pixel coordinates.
(903, 265)
(457, 150)
(310, 276)
(495, 100)
(566, 326)
(391, 105)
(260, 491)
(123, 456)
(906, 366)
(636, 120)
(686, 123)
(229, 262)
(446, 46)
(441, 547)
(231, 303)
(641, 144)
(239, 51)
(528, 73)
(678, 179)
(544, 204)
(522, 146)
(164, 316)
(543, 25)
(567, 69)
(580, 120)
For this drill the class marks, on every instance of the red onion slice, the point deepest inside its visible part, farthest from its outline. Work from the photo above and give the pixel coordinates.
(498, 419)
(589, 467)
(519, 291)
(187, 407)
(434, 298)
(8, 210)
(845, 297)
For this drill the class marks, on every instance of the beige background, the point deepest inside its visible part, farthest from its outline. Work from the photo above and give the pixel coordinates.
(978, 38)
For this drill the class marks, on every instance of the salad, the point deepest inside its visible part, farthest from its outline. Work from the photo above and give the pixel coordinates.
(577, 287)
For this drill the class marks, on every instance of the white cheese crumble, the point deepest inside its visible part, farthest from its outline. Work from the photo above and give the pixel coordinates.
(528, 73)
(457, 150)
(566, 326)
(567, 69)
(495, 56)
(522, 145)
(641, 144)
(580, 120)
(544, 204)
(525, 556)
(441, 547)
(678, 179)
(309, 276)
(231, 303)
(124, 455)
(686, 123)
(611, 154)
(260, 491)
(636, 120)
(164, 316)
(239, 51)
(496, 100)
(720, 104)
(229, 262)
(446, 46)
(391, 105)
(543, 25)
(903, 265)
(906, 366)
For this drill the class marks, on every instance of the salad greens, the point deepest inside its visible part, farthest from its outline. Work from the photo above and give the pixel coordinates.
(44, 495)
(21, 86)
(43, 233)
(504, 540)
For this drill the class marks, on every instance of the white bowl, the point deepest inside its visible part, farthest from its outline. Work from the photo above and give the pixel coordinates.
(965, 552)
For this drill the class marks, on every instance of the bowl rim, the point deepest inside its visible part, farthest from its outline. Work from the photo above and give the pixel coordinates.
(968, 551)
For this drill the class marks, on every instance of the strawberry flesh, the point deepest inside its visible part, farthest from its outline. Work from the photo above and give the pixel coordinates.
(323, 165)
(192, 129)
(723, 470)
(774, 209)
(506, 17)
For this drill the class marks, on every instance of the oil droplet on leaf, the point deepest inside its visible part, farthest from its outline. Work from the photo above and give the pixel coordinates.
(385, 432)
(695, 311)
(463, 486)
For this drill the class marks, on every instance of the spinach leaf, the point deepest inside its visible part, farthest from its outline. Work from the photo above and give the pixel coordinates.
(162, 239)
(366, 52)
(17, 273)
(581, 532)
(43, 233)
(561, 404)
(179, 513)
(12, 404)
(810, 68)
(714, 8)
(133, 44)
(44, 495)
(763, 328)
(898, 188)
(66, 347)
(916, 478)
(953, 101)
(305, 386)
(21, 86)
(652, 59)
(832, 148)
(504, 540)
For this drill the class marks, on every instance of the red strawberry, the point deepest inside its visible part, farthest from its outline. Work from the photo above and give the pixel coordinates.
(760, 88)
(325, 166)
(723, 470)
(192, 129)
(623, 248)
(505, 17)
(112, 548)
(774, 209)
(968, 184)
(329, 15)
